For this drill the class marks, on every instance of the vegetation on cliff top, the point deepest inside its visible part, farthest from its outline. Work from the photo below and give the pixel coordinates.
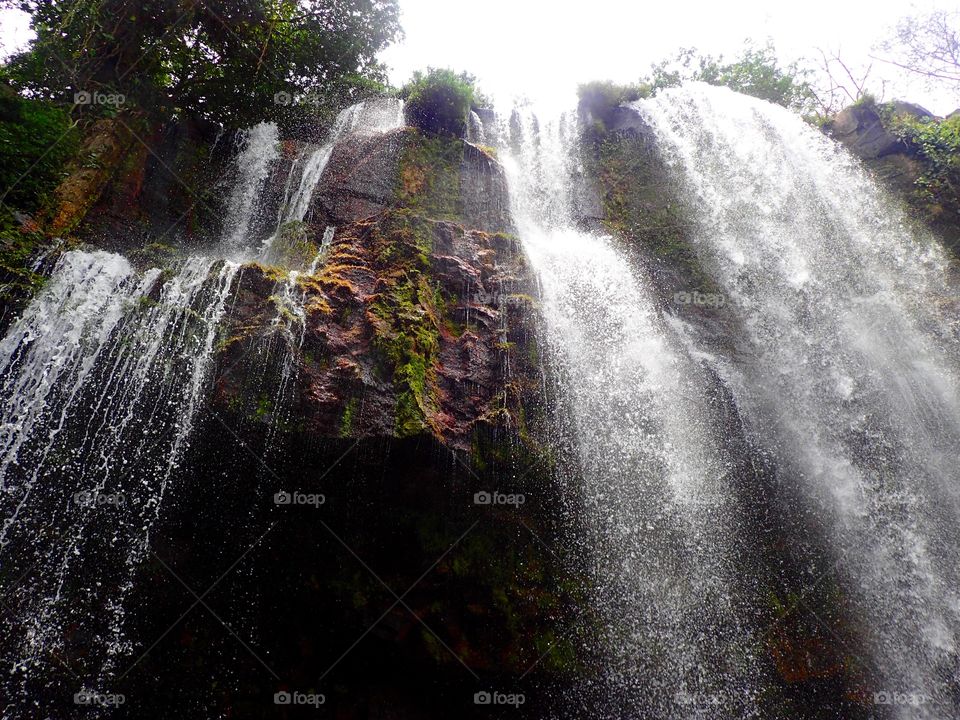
(439, 101)
(757, 72)
(938, 142)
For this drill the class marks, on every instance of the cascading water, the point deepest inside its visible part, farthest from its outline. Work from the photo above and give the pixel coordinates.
(370, 117)
(367, 118)
(660, 526)
(101, 378)
(849, 371)
(260, 149)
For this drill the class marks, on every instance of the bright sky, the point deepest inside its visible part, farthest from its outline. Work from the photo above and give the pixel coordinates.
(542, 49)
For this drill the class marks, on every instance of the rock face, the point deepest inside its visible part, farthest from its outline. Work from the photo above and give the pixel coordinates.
(860, 128)
(420, 317)
(866, 131)
(401, 381)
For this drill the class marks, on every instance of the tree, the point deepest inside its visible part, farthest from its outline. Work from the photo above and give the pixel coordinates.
(439, 101)
(231, 61)
(756, 72)
(927, 45)
(839, 83)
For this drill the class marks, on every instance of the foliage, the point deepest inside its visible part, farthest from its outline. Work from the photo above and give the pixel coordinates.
(430, 177)
(36, 140)
(938, 141)
(231, 61)
(928, 45)
(757, 72)
(439, 101)
(18, 246)
(407, 319)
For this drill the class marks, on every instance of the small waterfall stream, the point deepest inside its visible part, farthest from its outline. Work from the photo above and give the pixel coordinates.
(102, 377)
(660, 529)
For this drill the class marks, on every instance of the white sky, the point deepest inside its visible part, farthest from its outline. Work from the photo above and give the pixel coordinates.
(543, 49)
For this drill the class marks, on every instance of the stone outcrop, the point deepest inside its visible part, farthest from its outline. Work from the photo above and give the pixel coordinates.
(420, 317)
(399, 380)
(866, 130)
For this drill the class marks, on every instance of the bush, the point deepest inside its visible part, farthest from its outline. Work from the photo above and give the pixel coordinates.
(937, 141)
(757, 72)
(36, 140)
(439, 102)
(601, 98)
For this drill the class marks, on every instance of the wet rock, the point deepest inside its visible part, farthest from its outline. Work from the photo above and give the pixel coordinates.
(861, 128)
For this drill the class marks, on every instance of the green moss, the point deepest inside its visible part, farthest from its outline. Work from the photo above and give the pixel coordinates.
(637, 204)
(264, 408)
(270, 272)
(407, 318)
(294, 246)
(349, 418)
(430, 176)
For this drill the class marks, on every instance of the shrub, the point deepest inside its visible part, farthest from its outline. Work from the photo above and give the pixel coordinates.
(439, 102)
(36, 140)
(938, 141)
(603, 97)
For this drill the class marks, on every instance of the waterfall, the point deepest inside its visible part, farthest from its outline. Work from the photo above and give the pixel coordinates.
(849, 370)
(475, 133)
(259, 150)
(101, 376)
(368, 118)
(658, 511)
